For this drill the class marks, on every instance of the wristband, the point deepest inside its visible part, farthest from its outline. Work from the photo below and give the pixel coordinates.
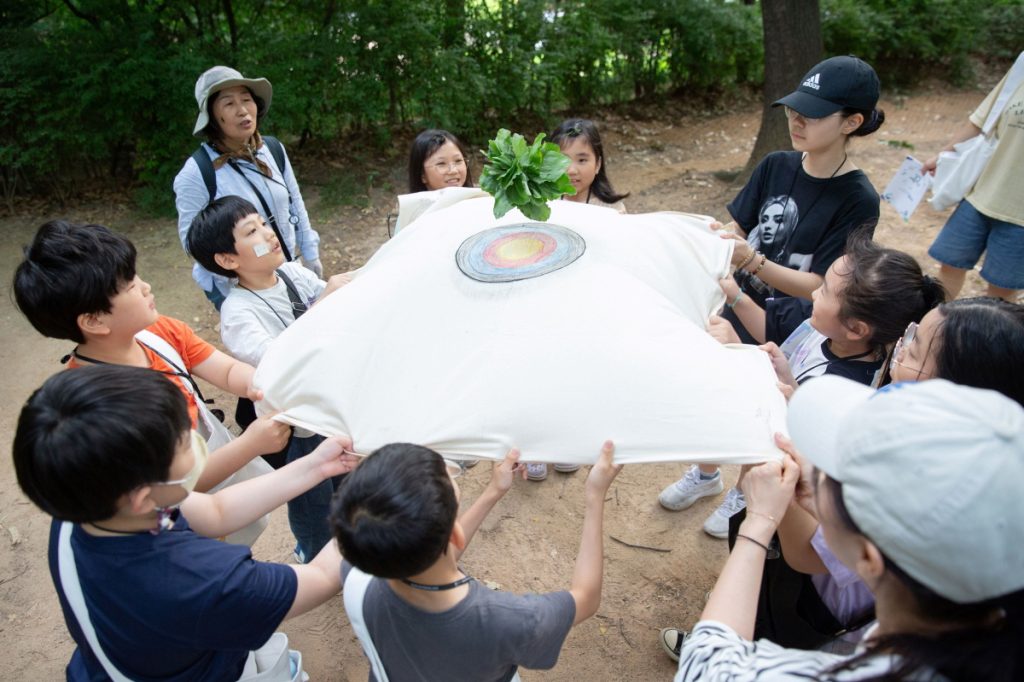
(736, 300)
(759, 544)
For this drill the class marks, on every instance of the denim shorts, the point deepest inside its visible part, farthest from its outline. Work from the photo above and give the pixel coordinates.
(968, 233)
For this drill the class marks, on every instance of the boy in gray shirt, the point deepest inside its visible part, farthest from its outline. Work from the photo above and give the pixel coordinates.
(417, 615)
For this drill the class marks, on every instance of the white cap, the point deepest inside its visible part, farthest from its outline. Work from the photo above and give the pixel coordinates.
(932, 474)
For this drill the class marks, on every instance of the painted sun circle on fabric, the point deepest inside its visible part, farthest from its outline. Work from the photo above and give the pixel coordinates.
(513, 252)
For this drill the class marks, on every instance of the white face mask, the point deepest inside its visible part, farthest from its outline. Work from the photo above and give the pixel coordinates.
(200, 453)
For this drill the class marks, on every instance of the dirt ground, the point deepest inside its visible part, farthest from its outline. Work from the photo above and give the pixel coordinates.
(668, 160)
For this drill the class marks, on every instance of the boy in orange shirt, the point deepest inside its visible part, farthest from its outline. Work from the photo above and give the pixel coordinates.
(78, 282)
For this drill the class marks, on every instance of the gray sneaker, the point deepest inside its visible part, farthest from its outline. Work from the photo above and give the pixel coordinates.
(536, 471)
(717, 525)
(688, 489)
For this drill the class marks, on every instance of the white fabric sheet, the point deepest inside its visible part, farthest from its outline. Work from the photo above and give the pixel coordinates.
(611, 346)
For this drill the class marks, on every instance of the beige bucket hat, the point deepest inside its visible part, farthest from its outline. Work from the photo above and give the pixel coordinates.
(219, 77)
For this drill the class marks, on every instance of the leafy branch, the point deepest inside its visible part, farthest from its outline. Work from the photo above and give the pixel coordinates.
(524, 176)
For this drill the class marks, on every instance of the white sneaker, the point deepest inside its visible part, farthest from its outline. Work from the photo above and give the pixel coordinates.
(717, 525)
(688, 489)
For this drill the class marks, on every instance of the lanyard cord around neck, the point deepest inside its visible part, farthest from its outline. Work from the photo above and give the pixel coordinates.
(178, 371)
(298, 307)
(802, 214)
(266, 208)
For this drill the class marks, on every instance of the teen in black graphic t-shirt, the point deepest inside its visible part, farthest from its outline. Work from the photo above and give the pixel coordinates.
(792, 220)
(794, 215)
(797, 220)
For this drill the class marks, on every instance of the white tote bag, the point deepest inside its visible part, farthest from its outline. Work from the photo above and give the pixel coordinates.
(957, 171)
(216, 435)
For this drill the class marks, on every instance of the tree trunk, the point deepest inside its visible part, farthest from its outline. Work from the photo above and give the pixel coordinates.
(792, 45)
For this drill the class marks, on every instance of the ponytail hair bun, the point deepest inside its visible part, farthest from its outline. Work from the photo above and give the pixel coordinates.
(873, 120)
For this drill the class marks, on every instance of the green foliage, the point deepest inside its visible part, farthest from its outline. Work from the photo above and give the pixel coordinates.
(101, 91)
(907, 40)
(525, 176)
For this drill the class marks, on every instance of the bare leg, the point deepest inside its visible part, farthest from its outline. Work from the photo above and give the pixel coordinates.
(952, 279)
(708, 469)
(999, 292)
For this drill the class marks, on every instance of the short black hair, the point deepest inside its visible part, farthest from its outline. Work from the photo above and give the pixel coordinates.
(393, 515)
(212, 231)
(90, 435)
(71, 270)
(425, 144)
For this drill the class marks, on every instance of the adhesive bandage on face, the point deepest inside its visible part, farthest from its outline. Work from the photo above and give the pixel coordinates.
(261, 250)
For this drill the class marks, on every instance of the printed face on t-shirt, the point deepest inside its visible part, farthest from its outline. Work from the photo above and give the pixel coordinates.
(771, 222)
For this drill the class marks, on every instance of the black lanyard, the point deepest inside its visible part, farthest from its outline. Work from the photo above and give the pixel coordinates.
(298, 306)
(178, 371)
(266, 210)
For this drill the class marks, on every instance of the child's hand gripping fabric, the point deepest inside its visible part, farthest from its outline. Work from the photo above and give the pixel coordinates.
(782, 368)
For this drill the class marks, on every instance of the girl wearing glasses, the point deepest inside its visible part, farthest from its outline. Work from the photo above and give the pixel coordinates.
(971, 341)
(794, 215)
(437, 160)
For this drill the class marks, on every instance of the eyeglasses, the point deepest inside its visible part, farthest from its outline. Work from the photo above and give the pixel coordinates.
(793, 115)
(901, 345)
(446, 166)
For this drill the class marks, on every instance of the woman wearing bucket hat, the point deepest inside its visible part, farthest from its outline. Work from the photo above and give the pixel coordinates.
(236, 160)
(944, 557)
(792, 220)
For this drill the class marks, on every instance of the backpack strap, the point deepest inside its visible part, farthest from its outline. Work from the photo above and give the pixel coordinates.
(276, 150)
(202, 159)
(68, 572)
(298, 305)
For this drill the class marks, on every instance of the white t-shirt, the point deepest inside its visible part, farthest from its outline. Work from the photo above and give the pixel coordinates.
(251, 319)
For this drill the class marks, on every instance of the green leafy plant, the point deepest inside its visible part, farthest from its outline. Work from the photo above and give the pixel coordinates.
(524, 176)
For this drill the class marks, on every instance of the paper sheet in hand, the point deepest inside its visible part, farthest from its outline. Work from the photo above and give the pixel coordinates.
(907, 187)
(608, 345)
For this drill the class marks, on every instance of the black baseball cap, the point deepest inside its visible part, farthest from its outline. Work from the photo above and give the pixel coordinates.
(834, 84)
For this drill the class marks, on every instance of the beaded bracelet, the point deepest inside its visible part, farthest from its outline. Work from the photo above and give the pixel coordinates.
(764, 259)
(747, 260)
(759, 544)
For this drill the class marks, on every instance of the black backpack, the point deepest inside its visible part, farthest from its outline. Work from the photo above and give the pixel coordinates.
(205, 164)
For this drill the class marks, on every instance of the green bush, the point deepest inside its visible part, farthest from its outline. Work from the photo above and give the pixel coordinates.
(101, 92)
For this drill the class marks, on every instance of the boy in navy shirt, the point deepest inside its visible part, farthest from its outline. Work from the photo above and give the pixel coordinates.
(145, 592)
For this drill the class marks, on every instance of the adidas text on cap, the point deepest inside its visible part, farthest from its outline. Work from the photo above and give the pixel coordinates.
(834, 84)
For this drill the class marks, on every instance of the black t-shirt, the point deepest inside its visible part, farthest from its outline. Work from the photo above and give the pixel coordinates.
(797, 220)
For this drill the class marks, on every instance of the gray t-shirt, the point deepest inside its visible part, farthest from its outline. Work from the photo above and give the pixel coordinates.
(484, 637)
